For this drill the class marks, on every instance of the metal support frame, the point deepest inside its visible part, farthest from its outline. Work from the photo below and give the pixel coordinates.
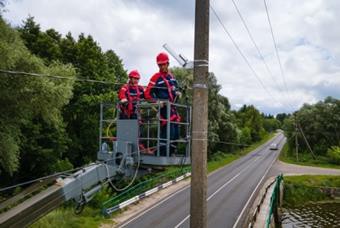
(149, 138)
(100, 126)
(158, 130)
(168, 110)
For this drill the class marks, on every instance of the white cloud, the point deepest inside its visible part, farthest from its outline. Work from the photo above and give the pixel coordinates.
(306, 32)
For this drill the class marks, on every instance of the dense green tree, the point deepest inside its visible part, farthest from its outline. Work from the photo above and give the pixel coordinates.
(245, 136)
(26, 99)
(68, 49)
(270, 124)
(319, 123)
(43, 44)
(334, 154)
(82, 113)
(281, 117)
(30, 33)
(222, 127)
(250, 117)
(115, 68)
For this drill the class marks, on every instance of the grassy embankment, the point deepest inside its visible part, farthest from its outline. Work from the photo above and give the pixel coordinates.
(304, 189)
(305, 159)
(90, 217)
(307, 189)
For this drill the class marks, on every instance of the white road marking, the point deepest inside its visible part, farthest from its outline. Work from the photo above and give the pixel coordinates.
(218, 190)
(188, 216)
(251, 196)
(160, 202)
(182, 221)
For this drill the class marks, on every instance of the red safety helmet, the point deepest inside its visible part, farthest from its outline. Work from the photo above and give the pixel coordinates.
(134, 74)
(162, 58)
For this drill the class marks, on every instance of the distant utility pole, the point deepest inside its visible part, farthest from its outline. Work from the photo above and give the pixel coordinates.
(198, 201)
(296, 141)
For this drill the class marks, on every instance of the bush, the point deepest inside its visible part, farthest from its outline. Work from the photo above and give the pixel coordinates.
(334, 154)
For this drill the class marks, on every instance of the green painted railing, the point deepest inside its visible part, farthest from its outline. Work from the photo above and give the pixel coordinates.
(274, 199)
(144, 186)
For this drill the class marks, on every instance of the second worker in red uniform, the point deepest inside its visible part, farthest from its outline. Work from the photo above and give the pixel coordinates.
(164, 86)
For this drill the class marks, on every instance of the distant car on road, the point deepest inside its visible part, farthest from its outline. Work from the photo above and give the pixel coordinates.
(273, 146)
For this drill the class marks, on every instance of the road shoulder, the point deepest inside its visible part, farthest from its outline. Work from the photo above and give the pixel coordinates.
(292, 169)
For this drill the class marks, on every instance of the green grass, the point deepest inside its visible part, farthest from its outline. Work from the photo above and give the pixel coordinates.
(305, 189)
(306, 159)
(65, 217)
(314, 181)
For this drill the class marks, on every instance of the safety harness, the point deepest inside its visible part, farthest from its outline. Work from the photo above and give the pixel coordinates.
(174, 116)
(129, 109)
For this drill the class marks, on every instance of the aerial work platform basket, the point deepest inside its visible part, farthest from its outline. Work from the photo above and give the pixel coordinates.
(152, 138)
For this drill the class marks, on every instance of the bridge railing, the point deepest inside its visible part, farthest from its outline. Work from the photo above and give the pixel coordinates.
(274, 202)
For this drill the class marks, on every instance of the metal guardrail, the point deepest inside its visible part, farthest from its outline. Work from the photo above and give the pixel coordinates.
(274, 200)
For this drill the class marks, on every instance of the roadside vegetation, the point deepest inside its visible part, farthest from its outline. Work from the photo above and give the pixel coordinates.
(306, 159)
(320, 125)
(65, 217)
(304, 189)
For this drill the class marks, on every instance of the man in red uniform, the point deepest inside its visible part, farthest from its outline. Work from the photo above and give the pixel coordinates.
(129, 95)
(163, 86)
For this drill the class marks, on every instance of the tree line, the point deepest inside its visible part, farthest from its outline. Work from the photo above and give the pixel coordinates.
(320, 124)
(49, 125)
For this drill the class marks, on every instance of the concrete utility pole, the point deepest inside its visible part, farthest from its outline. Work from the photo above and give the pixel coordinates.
(198, 201)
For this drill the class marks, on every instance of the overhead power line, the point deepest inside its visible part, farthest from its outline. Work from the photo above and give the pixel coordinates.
(275, 46)
(255, 45)
(241, 53)
(277, 54)
(21, 73)
(282, 73)
(57, 77)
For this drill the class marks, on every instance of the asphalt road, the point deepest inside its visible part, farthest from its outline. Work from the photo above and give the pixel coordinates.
(230, 193)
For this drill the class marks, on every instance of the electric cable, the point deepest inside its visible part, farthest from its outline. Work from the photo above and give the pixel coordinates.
(282, 72)
(16, 73)
(255, 45)
(241, 53)
(277, 54)
(133, 179)
(275, 46)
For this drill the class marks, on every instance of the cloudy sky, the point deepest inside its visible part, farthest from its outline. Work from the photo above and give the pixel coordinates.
(306, 32)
